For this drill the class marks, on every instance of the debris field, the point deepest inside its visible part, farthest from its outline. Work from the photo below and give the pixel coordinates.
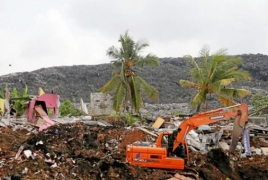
(81, 151)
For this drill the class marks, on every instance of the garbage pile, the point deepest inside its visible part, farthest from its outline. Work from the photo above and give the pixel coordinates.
(84, 151)
(70, 151)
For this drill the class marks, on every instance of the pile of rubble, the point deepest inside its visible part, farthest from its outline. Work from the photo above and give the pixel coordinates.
(86, 149)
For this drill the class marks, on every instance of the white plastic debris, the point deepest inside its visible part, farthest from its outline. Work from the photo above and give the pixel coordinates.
(25, 171)
(53, 165)
(224, 146)
(39, 142)
(27, 153)
(264, 150)
(257, 151)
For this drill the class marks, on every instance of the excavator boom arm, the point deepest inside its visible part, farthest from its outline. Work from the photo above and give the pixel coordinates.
(239, 111)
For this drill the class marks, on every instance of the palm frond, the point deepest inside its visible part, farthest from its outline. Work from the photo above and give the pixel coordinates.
(135, 94)
(127, 46)
(119, 97)
(239, 75)
(140, 45)
(218, 85)
(114, 53)
(25, 91)
(192, 61)
(198, 99)
(15, 93)
(111, 85)
(196, 72)
(204, 53)
(146, 88)
(234, 93)
(148, 60)
(186, 83)
(226, 101)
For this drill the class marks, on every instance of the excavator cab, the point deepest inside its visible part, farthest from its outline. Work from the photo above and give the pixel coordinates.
(165, 143)
(165, 140)
(154, 156)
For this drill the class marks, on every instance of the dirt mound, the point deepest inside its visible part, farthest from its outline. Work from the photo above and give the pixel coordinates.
(80, 151)
(74, 151)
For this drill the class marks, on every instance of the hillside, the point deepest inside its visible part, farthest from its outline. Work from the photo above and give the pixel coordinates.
(79, 81)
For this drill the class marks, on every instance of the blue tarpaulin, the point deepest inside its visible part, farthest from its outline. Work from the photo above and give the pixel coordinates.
(246, 142)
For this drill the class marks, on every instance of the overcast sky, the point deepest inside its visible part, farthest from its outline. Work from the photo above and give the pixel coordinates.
(45, 33)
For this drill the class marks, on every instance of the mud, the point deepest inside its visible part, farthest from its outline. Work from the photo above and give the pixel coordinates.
(79, 151)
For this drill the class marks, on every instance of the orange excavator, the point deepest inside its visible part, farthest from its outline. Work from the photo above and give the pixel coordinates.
(158, 156)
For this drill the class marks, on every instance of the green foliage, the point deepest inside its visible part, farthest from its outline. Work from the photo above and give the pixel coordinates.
(67, 108)
(127, 118)
(19, 99)
(2, 94)
(130, 118)
(215, 74)
(259, 101)
(50, 112)
(126, 86)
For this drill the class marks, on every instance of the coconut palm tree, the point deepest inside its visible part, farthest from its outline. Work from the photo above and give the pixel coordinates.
(125, 83)
(215, 74)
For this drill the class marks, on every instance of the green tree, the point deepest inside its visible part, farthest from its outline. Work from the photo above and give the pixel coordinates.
(215, 74)
(67, 108)
(126, 85)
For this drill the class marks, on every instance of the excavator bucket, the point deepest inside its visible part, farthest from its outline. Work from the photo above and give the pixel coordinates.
(239, 125)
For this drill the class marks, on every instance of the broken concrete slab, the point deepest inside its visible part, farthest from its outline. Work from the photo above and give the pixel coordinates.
(224, 146)
(2, 124)
(259, 120)
(264, 150)
(87, 118)
(192, 141)
(83, 106)
(103, 123)
(6, 121)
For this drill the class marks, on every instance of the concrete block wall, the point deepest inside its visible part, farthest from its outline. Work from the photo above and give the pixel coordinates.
(259, 120)
(100, 104)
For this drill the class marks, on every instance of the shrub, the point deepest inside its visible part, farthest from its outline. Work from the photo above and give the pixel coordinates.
(67, 108)
(259, 101)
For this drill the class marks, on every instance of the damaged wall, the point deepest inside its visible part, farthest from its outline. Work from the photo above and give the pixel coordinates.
(100, 104)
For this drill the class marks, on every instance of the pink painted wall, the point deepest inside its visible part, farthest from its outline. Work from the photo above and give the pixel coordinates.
(51, 101)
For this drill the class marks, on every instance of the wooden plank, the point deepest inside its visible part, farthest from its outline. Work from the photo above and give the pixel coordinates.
(148, 132)
(40, 122)
(158, 123)
(19, 151)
